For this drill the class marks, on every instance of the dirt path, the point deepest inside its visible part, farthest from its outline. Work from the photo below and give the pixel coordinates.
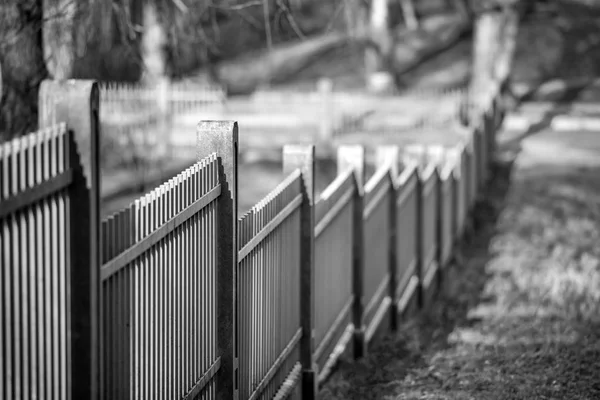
(520, 318)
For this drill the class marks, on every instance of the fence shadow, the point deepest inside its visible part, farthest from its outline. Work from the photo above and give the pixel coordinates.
(392, 356)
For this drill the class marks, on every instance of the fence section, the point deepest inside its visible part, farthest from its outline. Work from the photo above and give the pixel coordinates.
(376, 271)
(269, 291)
(159, 290)
(407, 187)
(35, 242)
(334, 295)
(447, 210)
(429, 211)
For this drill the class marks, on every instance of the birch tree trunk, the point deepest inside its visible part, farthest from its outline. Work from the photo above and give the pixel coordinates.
(355, 15)
(154, 41)
(508, 44)
(495, 41)
(487, 35)
(58, 37)
(410, 15)
(380, 36)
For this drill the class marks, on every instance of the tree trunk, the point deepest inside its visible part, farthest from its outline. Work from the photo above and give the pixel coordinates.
(461, 7)
(410, 15)
(58, 37)
(23, 67)
(508, 44)
(355, 14)
(154, 40)
(487, 35)
(379, 34)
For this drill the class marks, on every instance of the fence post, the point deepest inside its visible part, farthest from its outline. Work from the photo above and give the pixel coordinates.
(221, 137)
(77, 103)
(163, 100)
(326, 127)
(388, 155)
(302, 157)
(353, 156)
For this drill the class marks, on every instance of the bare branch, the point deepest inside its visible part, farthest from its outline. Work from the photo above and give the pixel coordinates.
(291, 19)
(238, 7)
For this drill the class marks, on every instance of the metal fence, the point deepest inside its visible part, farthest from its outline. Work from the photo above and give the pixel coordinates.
(376, 272)
(268, 290)
(174, 296)
(334, 235)
(36, 211)
(158, 274)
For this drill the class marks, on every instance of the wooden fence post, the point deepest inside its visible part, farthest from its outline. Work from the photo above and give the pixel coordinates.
(77, 103)
(221, 137)
(388, 155)
(353, 156)
(303, 157)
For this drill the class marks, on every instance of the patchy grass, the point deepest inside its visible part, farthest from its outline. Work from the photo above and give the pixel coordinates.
(519, 318)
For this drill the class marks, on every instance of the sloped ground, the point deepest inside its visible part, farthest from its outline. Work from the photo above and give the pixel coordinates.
(520, 318)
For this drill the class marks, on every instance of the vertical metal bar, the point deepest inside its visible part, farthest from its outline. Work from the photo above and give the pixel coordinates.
(4, 382)
(63, 262)
(14, 265)
(6, 282)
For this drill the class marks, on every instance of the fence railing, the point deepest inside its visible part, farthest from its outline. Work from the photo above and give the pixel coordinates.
(177, 297)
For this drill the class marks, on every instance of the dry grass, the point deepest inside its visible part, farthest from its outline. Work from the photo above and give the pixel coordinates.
(520, 319)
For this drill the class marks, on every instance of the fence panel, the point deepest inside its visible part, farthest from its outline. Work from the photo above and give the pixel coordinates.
(460, 176)
(159, 311)
(483, 156)
(447, 209)
(471, 176)
(269, 292)
(377, 228)
(36, 177)
(429, 219)
(334, 237)
(407, 197)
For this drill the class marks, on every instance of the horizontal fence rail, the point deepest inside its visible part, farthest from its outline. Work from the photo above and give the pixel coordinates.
(175, 296)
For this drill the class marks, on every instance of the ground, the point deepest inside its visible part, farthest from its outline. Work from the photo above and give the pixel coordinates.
(520, 315)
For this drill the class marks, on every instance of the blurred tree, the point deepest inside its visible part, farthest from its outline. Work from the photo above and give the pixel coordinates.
(58, 30)
(380, 35)
(23, 67)
(410, 15)
(495, 35)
